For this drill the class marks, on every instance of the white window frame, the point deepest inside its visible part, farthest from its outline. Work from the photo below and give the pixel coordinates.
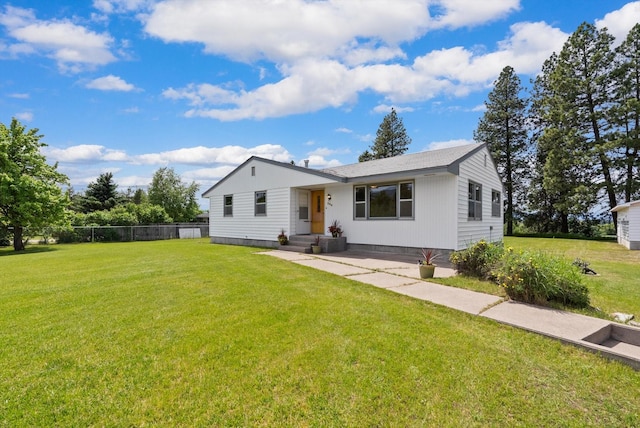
(227, 208)
(475, 201)
(260, 206)
(398, 202)
(496, 203)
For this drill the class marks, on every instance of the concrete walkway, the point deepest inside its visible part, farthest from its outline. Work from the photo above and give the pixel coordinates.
(400, 274)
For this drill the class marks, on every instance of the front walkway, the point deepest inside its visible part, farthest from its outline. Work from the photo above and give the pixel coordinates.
(400, 274)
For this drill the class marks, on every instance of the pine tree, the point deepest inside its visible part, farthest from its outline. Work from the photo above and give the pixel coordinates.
(391, 139)
(625, 113)
(503, 128)
(102, 194)
(582, 80)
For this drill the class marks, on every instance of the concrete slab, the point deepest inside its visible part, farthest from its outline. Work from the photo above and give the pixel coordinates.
(286, 255)
(414, 272)
(332, 267)
(456, 298)
(382, 279)
(366, 262)
(547, 321)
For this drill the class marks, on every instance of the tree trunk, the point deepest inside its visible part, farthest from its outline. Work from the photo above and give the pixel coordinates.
(564, 226)
(18, 245)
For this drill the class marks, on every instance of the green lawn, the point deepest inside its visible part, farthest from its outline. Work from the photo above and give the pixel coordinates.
(185, 333)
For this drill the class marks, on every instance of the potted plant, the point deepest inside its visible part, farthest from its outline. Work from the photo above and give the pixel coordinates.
(282, 238)
(315, 247)
(427, 268)
(335, 229)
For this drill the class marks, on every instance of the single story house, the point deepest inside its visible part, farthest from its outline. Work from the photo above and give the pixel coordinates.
(628, 224)
(444, 199)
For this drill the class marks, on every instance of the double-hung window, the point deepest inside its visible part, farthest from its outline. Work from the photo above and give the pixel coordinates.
(261, 203)
(383, 201)
(475, 201)
(228, 205)
(496, 203)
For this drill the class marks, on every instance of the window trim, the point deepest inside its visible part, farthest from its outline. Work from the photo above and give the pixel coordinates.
(496, 207)
(367, 200)
(256, 204)
(227, 209)
(477, 203)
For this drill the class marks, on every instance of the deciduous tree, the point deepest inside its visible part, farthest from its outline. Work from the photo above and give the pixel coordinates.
(177, 199)
(30, 193)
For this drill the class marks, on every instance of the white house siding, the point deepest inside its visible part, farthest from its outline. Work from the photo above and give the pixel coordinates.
(244, 224)
(629, 226)
(480, 169)
(433, 225)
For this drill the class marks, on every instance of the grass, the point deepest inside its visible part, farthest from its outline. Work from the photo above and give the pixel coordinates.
(185, 333)
(615, 289)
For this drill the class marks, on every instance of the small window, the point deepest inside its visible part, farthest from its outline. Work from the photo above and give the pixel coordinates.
(261, 203)
(228, 205)
(475, 201)
(496, 203)
(406, 200)
(360, 198)
(253, 171)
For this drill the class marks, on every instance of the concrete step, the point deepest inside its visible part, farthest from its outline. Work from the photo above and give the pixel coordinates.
(295, 248)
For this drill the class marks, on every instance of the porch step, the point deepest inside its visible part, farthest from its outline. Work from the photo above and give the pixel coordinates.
(295, 248)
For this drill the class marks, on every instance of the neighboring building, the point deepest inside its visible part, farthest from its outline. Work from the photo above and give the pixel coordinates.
(444, 199)
(628, 224)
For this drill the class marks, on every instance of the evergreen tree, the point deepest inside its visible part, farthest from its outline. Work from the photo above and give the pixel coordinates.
(503, 128)
(30, 193)
(625, 112)
(582, 79)
(101, 194)
(391, 139)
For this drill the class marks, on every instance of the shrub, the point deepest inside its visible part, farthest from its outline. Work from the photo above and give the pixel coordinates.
(539, 278)
(478, 260)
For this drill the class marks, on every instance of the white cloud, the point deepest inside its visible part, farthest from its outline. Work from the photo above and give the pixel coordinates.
(344, 130)
(25, 116)
(20, 96)
(619, 22)
(461, 13)
(232, 155)
(72, 46)
(318, 162)
(451, 143)
(110, 83)
(131, 110)
(479, 108)
(84, 153)
(311, 84)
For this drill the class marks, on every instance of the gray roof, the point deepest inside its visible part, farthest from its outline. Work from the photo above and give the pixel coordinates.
(434, 161)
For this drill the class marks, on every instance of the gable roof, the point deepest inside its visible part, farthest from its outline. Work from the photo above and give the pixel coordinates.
(623, 206)
(431, 161)
(427, 162)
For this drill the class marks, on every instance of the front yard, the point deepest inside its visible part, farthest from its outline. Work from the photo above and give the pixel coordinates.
(185, 333)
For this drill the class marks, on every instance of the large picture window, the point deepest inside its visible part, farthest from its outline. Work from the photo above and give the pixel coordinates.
(228, 205)
(383, 201)
(496, 203)
(475, 201)
(261, 203)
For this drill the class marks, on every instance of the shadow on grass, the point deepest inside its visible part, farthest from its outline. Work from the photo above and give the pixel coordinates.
(8, 251)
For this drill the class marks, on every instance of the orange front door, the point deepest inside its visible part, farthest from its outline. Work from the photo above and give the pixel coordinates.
(317, 211)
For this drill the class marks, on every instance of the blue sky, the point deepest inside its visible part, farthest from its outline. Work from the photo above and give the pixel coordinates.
(129, 86)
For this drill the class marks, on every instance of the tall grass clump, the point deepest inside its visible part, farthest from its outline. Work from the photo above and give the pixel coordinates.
(478, 259)
(532, 277)
(540, 278)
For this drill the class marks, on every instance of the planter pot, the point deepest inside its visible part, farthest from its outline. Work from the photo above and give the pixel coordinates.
(427, 271)
(316, 249)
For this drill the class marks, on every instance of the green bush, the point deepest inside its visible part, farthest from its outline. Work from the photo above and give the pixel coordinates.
(478, 260)
(539, 278)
